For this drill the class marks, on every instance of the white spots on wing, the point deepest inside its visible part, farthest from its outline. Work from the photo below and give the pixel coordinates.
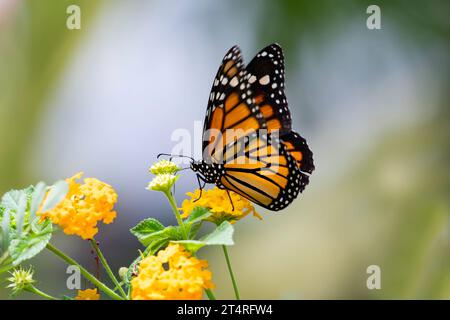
(224, 80)
(216, 82)
(274, 85)
(263, 54)
(252, 79)
(264, 80)
(234, 82)
(222, 96)
(249, 101)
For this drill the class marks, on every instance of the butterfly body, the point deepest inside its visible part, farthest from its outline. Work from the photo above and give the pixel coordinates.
(210, 172)
(248, 143)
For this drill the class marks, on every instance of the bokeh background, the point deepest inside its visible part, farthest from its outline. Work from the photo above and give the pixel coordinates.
(373, 105)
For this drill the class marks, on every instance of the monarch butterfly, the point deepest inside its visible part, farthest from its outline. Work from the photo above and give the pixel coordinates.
(248, 143)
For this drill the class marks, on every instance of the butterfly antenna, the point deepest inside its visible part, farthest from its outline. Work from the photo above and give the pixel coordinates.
(173, 156)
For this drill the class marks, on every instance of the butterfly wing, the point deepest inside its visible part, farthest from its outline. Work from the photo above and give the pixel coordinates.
(230, 108)
(297, 147)
(268, 168)
(265, 73)
(263, 171)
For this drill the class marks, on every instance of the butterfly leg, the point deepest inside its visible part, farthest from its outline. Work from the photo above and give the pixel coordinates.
(231, 201)
(200, 179)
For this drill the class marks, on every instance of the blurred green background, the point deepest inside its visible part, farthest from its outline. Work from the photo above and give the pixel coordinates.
(373, 105)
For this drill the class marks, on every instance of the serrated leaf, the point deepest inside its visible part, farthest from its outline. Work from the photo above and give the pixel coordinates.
(24, 248)
(56, 194)
(193, 229)
(168, 233)
(36, 198)
(39, 227)
(222, 235)
(10, 200)
(20, 214)
(146, 227)
(194, 222)
(5, 236)
(198, 214)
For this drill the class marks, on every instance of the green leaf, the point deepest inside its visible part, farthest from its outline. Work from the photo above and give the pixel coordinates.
(198, 214)
(150, 230)
(20, 214)
(36, 198)
(193, 229)
(193, 223)
(56, 194)
(146, 227)
(26, 247)
(167, 234)
(222, 235)
(5, 235)
(11, 199)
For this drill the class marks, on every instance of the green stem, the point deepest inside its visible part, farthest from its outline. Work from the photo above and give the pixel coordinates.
(107, 268)
(230, 270)
(84, 272)
(35, 290)
(177, 213)
(210, 294)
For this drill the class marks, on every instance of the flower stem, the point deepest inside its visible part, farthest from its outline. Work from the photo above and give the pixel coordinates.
(177, 213)
(35, 290)
(210, 294)
(107, 268)
(230, 270)
(84, 272)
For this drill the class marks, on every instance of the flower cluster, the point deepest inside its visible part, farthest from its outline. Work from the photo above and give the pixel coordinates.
(219, 204)
(173, 274)
(165, 175)
(164, 166)
(88, 294)
(84, 205)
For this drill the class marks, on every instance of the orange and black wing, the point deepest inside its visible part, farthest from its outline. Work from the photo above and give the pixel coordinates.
(263, 171)
(297, 147)
(265, 73)
(231, 112)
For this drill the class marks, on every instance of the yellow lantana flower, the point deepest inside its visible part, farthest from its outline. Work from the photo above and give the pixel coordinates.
(84, 205)
(218, 202)
(88, 294)
(173, 274)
